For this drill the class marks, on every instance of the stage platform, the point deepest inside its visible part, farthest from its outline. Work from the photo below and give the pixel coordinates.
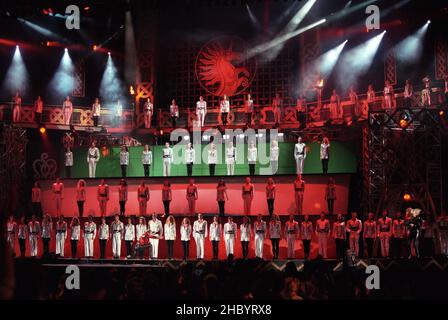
(257, 265)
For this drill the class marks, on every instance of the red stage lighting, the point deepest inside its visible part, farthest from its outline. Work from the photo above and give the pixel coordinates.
(407, 196)
(86, 8)
(94, 47)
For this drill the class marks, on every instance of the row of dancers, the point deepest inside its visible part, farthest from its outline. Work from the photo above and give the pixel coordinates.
(146, 236)
(190, 159)
(277, 105)
(191, 193)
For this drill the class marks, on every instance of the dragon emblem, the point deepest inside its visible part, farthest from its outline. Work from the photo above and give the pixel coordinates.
(222, 67)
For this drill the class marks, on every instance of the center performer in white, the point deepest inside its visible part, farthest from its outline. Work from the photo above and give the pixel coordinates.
(93, 156)
(230, 158)
(354, 227)
(230, 233)
(292, 232)
(199, 235)
(300, 155)
(167, 154)
(61, 235)
(89, 235)
(260, 229)
(322, 233)
(117, 230)
(155, 228)
(215, 236)
(201, 110)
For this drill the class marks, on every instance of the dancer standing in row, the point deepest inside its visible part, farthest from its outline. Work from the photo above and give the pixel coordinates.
(34, 232)
(370, 234)
(192, 196)
(67, 110)
(275, 231)
(75, 235)
(322, 233)
(123, 196)
(36, 202)
(81, 196)
(247, 195)
(146, 159)
(201, 110)
(129, 237)
(384, 229)
(17, 108)
(58, 190)
(167, 159)
(230, 158)
(292, 233)
(339, 236)
(252, 154)
(224, 109)
(330, 194)
(61, 236)
(299, 190)
(47, 231)
(103, 197)
(230, 230)
(155, 228)
(245, 236)
(103, 237)
(270, 196)
(273, 156)
(215, 235)
(190, 155)
(260, 230)
(174, 112)
(249, 104)
(325, 154)
(354, 228)
(96, 112)
(170, 235)
(142, 197)
(199, 235)
(124, 160)
(212, 158)
(22, 233)
(11, 234)
(306, 231)
(300, 155)
(221, 196)
(117, 232)
(167, 196)
(185, 235)
(89, 236)
(93, 156)
(148, 110)
(68, 161)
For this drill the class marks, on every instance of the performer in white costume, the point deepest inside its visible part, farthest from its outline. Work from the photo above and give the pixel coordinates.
(155, 228)
(167, 154)
(201, 110)
(89, 235)
(199, 235)
(93, 156)
(230, 233)
(300, 155)
(117, 230)
(260, 229)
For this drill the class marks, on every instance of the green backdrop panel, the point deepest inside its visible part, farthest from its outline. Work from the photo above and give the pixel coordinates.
(343, 159)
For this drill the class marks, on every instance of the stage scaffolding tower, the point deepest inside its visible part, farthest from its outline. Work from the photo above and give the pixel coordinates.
(402, 154)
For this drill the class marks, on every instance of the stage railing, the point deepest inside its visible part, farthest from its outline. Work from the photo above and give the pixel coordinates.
(315, 114)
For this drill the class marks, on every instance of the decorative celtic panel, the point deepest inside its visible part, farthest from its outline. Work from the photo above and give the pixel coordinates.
(85, 117)
(68, 140)
(390, 67)
(45, 167)
(56, 116)
(441, 57)
(79, 76)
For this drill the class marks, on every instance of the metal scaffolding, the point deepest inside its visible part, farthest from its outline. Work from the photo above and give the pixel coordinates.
(402, 153)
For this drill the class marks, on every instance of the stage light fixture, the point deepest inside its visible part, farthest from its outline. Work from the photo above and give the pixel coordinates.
(428, 22)
(108, 53)
(403, 123)
(407, 196)
(441, 113)
(94, 47)
(66, 50)
(42, 129)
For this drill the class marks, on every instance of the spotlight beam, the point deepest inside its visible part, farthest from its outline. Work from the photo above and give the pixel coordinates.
(45, 32)
(279, 40)
(17, 77)
(410, 49)
(63, 81)
(111, 85)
